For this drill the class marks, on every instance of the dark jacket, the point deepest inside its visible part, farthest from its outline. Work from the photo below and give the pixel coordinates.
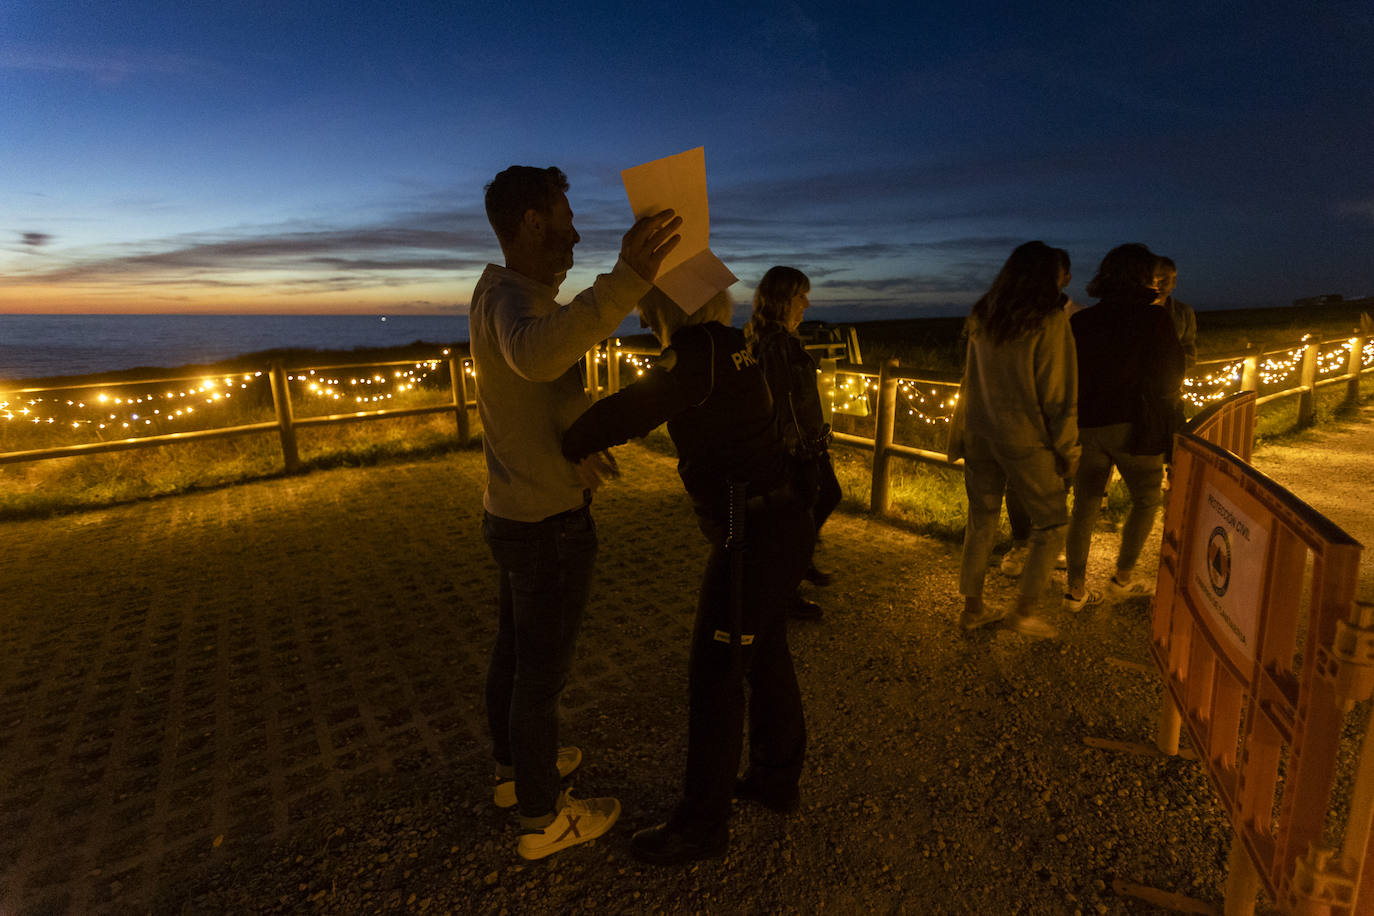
(1127, 348)
(791, 374)
(713, 396)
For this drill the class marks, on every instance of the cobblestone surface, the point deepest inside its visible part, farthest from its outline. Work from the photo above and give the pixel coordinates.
(269, 698)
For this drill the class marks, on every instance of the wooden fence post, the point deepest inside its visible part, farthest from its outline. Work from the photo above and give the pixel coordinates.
(1249, 373)
(852, 346)
(458, 379)
(613, 365)
(1353, 367)
(1307, 378)
(592, 373)
(286, 419)
(882, 437)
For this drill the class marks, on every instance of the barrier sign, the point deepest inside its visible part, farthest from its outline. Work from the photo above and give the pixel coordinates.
(1228, 566)
(1263, 651)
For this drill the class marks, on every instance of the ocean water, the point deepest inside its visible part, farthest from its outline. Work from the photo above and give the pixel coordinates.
(36, 346)
(42, 346)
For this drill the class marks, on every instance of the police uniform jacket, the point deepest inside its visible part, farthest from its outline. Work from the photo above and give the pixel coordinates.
(710, 391)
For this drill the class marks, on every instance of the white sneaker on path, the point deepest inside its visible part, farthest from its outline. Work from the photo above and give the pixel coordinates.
(577, 821)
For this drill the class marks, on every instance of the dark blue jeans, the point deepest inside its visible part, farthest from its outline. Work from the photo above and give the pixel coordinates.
(546, 571)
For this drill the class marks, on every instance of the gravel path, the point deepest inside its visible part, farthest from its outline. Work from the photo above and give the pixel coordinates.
(1329, 468)
(267, 699)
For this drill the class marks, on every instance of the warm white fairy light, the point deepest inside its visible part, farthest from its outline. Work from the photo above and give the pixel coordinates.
(134, 409)
(1215, 385)
(922, 401)
(1334, 362)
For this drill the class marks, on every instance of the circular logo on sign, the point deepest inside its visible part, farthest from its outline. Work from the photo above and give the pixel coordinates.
(1219, 560)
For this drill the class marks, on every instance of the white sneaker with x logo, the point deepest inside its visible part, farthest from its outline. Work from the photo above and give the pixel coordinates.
(576, 821)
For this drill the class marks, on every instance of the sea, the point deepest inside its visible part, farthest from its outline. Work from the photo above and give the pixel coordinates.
(45, 346)
(40, 346)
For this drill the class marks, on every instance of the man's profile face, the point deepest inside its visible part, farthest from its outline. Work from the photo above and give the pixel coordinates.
(1165, 280)
(560, 236)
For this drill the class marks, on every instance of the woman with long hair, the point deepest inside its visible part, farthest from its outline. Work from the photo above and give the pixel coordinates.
(1016, 428)
(731, 460)
(1014, 560)
(780, 301)
(1130, 372)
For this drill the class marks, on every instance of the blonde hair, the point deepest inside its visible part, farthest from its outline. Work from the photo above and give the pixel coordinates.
(666, 317)
(773, 297)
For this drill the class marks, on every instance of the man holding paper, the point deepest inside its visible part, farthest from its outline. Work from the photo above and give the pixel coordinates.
(525, 352)
(691, 274)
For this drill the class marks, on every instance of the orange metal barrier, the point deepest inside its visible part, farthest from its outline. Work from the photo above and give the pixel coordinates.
(1229, 423)
(1263, 653)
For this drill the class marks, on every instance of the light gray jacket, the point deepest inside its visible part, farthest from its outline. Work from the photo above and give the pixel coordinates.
(525, 352)
(1023, 392)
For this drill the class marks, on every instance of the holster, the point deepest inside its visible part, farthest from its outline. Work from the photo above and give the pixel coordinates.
(737, 515)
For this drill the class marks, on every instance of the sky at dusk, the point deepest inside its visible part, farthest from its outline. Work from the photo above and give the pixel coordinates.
(291, 156)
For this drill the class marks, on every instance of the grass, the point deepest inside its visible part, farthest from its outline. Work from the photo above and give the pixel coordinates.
(925, 498)
(38, 489)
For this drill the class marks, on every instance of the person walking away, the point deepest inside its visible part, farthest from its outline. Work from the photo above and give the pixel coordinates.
(1018, 517)
(780, 301)
(1015, 427)
(1130, 367)
(715, 400)
(537, 523)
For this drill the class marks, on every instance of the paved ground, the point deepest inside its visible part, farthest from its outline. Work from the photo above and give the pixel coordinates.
(190, 686)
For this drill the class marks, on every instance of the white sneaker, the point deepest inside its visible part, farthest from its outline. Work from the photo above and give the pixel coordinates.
(1137, 588)
(1014, 560)
(503, 795)
(577, 821)
(1091, 597)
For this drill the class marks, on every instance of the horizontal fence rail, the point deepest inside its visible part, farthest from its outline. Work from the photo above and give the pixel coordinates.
(894, 412)
(925, 405)
(115, 413)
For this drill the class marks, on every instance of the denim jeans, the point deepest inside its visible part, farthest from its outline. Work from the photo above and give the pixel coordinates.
(1103, 447)
(546, 570)
(1029, 472)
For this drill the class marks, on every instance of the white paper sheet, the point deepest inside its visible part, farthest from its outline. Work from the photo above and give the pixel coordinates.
(691, 274)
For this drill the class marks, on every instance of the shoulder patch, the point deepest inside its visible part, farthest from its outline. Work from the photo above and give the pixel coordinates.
(742, 358)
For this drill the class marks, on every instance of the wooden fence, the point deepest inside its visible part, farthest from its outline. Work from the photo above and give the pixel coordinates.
(285, 423)
(1308, 366)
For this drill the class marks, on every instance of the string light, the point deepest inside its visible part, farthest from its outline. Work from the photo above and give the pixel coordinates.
(135, 408)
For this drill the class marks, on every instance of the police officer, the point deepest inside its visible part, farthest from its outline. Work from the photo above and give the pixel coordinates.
(712, 394)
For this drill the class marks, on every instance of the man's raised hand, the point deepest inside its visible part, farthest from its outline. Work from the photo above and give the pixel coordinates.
(649, 241)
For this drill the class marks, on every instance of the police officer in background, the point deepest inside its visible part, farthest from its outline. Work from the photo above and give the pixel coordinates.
(710, 391)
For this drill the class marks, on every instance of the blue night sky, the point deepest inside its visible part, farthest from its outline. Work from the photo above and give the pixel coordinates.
(329, 157)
